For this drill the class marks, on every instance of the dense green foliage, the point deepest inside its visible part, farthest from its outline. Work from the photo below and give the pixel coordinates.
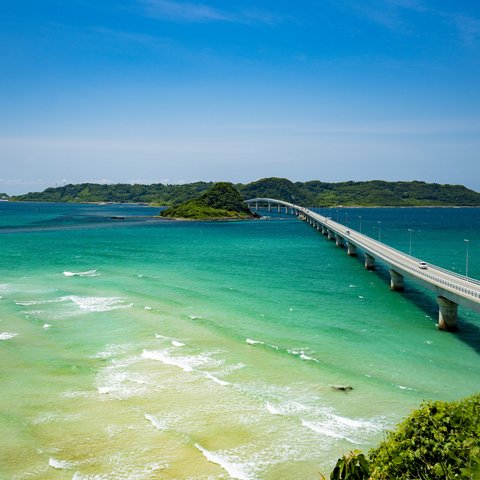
(313, 193)
(438, 441)
(220, 201)
(353, 466)
(120, 193)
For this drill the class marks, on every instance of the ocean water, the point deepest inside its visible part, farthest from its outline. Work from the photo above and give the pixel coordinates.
(146, 348)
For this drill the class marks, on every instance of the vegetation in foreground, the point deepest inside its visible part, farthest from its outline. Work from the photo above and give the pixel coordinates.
(220, 201)
(314, 193)
(438, 441)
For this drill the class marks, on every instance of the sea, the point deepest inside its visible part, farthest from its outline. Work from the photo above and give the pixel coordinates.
(134, 347)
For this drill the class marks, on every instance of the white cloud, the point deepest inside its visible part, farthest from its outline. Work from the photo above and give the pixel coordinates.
(182, 11)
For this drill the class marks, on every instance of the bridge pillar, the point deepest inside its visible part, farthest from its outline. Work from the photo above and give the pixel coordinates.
(339, 241)
(447, 314)
(256, 206)
(369, 262)
(269, 207)
(278, 208)
(286, 209)
(331, 235)
(324, 230)
(351, 249)
(318, 226)
(396, 281)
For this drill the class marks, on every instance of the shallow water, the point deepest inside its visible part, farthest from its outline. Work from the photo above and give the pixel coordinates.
(145, 348)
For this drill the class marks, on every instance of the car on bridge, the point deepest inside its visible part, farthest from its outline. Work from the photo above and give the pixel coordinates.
(422, 265)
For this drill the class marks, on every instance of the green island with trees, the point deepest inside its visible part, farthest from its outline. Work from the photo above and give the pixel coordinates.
(222, 200)
(438, 441)
(373, 193)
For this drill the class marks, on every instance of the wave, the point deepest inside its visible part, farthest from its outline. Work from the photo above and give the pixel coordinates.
(167, 360)
(46, 325)
(98, 304)
(325, 430)
(175, 343)
(188, 364)
(59, 464)
(86, 304)
(235, 470)
(159, 424)
(7, 335)
(88, 273)
(216, 380)
(259, 342)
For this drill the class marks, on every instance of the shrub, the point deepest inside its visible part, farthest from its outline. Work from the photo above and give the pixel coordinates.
(440, 440)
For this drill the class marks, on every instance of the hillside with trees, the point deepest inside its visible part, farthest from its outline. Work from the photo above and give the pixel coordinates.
(220, 201)
(312, 193)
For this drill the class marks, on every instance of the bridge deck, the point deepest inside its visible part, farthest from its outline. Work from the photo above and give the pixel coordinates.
(445, 283)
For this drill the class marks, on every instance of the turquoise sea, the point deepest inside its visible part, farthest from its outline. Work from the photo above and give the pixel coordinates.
(146, 348)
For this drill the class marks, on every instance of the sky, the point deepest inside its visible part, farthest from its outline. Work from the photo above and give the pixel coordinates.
(173, 91)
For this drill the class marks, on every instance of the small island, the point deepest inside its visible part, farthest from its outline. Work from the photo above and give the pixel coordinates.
(221, 201)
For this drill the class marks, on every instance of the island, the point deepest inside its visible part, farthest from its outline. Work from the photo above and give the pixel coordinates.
(221, 201)
(314, 193)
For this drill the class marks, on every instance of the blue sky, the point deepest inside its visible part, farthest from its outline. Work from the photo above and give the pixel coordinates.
(177, 91)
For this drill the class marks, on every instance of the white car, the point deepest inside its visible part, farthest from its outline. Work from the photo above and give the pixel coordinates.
(422, 265)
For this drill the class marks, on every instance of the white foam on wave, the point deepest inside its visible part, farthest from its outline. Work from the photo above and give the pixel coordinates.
(216, 380)
(157, 335)
(146, 307)
(167, 360)
(259, 342)
(29, 303)
(325, 430)
(194, 317)
(235, 470)
(46, 325)
(7, 335)
(118, 381)
(273, 409)
(353, 430)
(186, 363)
(306, 357)
(98, 304)
(177, 344)
(88, 273)
(59, 464)
(301, 354)
(287, 408)
(113, 349)
(157, 423)
(402, 387)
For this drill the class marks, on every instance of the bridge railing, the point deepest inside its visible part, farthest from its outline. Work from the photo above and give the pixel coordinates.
(452, 285)
(406, 266)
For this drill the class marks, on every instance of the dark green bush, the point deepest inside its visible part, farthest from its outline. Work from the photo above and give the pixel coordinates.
(440, 440)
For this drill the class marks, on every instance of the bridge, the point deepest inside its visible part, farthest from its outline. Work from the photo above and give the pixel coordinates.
(451, 289)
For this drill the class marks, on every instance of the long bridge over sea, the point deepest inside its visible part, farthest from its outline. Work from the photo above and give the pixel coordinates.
(451, 289)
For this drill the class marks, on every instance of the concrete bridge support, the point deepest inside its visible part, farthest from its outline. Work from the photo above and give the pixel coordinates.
(339, 241)
(396, 281)
(269, 207)
(351, 249)
(447, 314)
(286, 209)
(324, 230)
(278, 208)
(331, 235)
(369, 262)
